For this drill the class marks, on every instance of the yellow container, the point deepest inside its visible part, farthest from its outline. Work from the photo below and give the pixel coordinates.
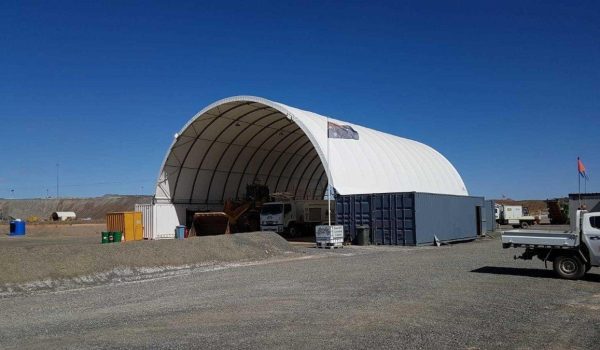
(130, 223)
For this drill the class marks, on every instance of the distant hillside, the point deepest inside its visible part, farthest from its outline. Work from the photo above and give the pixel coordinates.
(94, 208)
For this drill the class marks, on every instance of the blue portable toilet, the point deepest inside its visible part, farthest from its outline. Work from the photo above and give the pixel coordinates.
(17, 228)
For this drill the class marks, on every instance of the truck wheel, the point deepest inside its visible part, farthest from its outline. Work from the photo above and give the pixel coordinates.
(292, 231)
(569, 267)
(524, 225)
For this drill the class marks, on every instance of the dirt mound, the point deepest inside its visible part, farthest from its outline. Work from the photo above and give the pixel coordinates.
(22, 262)
(93, 208)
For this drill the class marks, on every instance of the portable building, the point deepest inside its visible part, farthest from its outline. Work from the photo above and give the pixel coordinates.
(246, 140)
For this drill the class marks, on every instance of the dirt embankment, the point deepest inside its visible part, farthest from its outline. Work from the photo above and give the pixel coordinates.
(93, 208)
(52, 257)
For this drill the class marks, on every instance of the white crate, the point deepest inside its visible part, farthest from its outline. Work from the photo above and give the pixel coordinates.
(329, 236)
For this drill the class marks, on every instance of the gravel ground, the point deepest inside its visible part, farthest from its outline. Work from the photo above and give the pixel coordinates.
(471, 295)
(76, 257)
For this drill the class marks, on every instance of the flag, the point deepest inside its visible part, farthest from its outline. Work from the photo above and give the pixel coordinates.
(336, 131)
(581, 168)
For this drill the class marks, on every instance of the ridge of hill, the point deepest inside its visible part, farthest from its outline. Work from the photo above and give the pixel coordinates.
(93, 208)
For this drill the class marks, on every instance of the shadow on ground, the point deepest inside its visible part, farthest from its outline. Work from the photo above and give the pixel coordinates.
(515, 271)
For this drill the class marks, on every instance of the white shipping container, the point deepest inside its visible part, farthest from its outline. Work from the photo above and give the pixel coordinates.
(159, 220)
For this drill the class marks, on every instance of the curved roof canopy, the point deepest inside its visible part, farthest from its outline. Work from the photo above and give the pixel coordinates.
(243, 140)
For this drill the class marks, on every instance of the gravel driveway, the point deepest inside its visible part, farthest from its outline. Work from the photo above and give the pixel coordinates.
(471, 295)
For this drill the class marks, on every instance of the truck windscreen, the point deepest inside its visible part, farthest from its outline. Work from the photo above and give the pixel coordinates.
(271, 209)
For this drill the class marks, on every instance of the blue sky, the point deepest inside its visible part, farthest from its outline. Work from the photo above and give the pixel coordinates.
(508, 91)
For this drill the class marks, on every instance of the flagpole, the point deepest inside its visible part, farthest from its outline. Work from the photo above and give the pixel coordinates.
(579, 182)
(328, 184)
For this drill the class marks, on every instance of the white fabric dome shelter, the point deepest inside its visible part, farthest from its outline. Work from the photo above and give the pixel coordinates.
(243, 140)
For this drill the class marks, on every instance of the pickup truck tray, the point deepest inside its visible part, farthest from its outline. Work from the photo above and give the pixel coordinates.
(537, 238)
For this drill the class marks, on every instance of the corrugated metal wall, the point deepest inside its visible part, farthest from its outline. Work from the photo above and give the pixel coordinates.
(412, 218)
(393, 219)
(352, 211)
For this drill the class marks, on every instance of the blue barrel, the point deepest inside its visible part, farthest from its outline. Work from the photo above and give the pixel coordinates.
(17, 228)
(180, 232)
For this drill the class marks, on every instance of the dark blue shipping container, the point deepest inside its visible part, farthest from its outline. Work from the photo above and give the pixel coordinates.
(412, 218)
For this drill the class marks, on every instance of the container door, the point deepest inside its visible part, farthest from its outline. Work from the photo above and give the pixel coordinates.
(138, 226)
(148, 219)
(402, 217)
(382, 221)
(145, 210)
(393, 219)
(407, 219)
(128, 231)
(362, 212)
(343, 215)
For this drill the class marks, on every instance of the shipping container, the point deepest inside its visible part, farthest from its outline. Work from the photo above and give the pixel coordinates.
(411, 218)
(159, 220)
(129, 223)
(449, 218)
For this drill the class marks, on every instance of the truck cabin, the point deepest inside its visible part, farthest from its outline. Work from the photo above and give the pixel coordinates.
(275, 208)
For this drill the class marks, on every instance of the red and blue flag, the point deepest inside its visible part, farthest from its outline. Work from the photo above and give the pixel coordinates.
(581, 168)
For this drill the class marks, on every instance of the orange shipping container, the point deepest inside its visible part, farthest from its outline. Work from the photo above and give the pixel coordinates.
(130, 223)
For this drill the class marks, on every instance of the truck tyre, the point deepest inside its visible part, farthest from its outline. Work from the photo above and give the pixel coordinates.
(292, 231)
(524, 225)
(569, 267)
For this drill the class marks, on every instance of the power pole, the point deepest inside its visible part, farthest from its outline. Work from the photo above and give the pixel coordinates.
(57, 192)
(57, 188)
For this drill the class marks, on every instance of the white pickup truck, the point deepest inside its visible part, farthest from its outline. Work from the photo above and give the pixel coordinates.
(573, 253)
(514, 215)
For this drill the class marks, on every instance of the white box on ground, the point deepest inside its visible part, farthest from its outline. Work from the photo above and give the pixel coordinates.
(329, 236)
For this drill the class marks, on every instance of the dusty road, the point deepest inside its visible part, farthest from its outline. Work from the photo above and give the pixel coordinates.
(463, 296)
